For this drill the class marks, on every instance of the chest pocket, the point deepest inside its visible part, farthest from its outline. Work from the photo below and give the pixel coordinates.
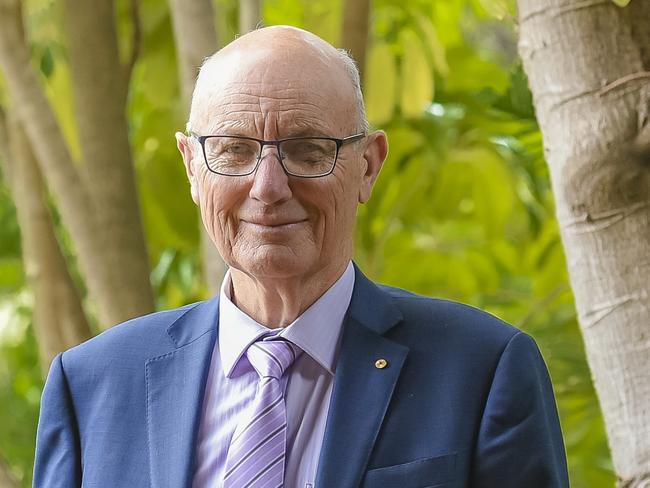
(422, 473)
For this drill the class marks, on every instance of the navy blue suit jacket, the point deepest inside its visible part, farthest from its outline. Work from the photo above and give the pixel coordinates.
(465, 401)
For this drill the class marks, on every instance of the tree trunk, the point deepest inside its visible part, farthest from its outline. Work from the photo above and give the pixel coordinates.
(100, 103)
(196, 39)
(250, 15)
(354, 37)
(600, 168)
(59, 320)
(39, 121)
(195, 36)
(99, 208)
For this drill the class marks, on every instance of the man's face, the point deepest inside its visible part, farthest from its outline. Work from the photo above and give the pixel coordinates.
(269, 224)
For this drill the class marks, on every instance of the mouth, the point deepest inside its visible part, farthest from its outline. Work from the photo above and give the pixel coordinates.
(273, 224)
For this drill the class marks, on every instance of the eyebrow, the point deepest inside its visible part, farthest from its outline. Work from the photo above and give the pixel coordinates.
(238, 128)
(304, 133)
(305, 128)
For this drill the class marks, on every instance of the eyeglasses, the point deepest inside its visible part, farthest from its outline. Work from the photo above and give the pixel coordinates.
(305, 157)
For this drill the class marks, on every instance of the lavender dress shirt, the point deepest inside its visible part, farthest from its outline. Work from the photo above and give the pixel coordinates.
(232, 382)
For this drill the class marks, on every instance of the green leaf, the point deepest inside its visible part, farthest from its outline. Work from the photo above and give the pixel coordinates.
(47, 62)
(11, 274)
(416, 76)
(436, 48)
(381, 79)
(59, 93)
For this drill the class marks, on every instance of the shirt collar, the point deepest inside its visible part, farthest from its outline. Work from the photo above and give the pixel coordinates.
(316, 331)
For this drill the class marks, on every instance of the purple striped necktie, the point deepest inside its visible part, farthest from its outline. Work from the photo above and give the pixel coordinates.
(258, 446)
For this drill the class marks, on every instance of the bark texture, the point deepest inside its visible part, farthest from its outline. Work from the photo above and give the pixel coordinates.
(354, 38)
(250, 15)
(96, 199)
(195, 37)
(594, 133)
(100, 104)
(59, 320)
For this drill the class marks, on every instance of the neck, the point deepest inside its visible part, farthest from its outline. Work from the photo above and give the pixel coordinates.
(276, 302)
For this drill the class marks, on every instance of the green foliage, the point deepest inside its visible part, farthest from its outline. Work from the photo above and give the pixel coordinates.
(11, 269)
(20, 386)
(463, 208)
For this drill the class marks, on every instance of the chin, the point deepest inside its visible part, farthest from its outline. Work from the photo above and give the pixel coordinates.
(272, 261)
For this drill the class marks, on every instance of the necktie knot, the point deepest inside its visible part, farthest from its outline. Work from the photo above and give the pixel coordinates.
(272, 357)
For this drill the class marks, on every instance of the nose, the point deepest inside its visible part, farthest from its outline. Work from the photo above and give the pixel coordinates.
(270, 182)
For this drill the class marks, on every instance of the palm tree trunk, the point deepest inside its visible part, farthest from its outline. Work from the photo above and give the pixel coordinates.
(585, 62)
(59, 320)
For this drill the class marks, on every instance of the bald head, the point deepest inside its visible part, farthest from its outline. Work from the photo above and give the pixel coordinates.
(279, 55)
(282, 37)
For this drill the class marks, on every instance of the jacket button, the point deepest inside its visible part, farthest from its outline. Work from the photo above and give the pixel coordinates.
(381, 363)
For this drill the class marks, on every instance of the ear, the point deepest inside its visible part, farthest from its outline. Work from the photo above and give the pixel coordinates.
(374, 156)
(185, 147)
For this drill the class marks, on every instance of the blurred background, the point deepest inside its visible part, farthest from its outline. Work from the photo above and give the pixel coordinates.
(463, 208)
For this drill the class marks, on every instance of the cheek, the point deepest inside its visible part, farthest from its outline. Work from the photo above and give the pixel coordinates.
(336, 203)
(345, 195)
(219, 198)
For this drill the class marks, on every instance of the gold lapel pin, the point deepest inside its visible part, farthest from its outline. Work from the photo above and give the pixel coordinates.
(381, 363)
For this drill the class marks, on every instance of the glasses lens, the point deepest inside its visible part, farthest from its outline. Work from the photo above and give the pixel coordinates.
(231, 155)
(308, 157)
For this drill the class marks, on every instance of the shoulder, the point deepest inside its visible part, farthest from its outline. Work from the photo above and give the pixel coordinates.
(454, 324)
(133, 340)
(461, 344)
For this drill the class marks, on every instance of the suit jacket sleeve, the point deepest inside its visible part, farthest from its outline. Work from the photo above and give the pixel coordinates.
(58, 460)
(520, 441)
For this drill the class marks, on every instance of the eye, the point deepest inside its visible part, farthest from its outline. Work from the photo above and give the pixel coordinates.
(231, 148)
(310, 148)
(306, 150)
(238, 148)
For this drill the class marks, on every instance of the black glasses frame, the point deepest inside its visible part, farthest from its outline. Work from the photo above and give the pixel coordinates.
(339, 144)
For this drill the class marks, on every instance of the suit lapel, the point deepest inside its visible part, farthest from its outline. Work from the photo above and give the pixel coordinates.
(175, 389)
(362, 390)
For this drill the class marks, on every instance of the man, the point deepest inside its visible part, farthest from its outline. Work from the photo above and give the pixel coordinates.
(302, 372)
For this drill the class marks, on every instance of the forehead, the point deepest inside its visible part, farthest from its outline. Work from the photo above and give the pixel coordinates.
(267, 91)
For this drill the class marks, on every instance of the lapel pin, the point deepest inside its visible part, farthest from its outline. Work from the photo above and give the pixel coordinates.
(381, 363)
